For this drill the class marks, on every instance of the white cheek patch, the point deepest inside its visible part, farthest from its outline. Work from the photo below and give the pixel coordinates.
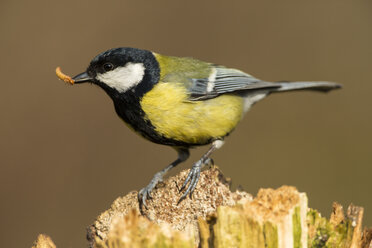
(123, 78)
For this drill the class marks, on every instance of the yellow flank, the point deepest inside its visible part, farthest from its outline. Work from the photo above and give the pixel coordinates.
(174, 117)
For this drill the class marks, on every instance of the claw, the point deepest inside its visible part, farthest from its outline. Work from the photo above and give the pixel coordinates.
(194, 186)
(145, 193)
(142, 198)
(186, 180)
(193, 178)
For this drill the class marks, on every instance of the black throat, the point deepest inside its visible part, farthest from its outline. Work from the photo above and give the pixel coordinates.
(127, 104)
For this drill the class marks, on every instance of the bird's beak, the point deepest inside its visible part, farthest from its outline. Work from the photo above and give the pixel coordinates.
(82, 78)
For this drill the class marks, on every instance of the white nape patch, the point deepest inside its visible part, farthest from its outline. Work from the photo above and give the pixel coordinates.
(251, 99)
(123, 78)
(211, 79)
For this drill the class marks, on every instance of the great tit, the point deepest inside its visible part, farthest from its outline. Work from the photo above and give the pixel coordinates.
(180, 102)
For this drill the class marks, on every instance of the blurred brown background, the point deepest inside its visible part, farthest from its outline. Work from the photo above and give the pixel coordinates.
(65, 155)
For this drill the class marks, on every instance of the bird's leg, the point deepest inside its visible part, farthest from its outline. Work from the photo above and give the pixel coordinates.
(145, 193)
(194, 174)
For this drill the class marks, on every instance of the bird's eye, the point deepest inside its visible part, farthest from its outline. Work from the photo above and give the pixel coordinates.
(108, 66)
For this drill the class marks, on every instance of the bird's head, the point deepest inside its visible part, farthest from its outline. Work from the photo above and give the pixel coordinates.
(121, 69)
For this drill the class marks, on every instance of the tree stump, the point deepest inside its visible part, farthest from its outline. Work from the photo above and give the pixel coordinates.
(217, 217)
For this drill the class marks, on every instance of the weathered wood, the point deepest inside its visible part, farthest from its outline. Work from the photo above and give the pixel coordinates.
(137, 231)
(213, 190)
(43, 241)
(217, 217)
(275, 218)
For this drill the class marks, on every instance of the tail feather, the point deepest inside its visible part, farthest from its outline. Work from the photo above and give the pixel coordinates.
(317, 86)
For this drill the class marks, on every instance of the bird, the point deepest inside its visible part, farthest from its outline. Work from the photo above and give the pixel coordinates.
(180, 102)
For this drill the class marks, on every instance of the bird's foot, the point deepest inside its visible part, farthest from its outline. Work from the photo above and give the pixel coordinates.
(192, 178)
(145, 193)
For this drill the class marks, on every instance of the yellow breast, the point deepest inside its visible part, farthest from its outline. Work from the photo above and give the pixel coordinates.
(197, 122)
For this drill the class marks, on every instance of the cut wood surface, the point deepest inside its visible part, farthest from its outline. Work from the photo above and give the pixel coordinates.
(217, 217)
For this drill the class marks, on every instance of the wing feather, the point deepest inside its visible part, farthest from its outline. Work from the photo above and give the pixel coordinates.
(225, 80)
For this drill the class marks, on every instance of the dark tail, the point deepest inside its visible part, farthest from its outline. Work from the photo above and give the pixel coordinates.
(317, 86)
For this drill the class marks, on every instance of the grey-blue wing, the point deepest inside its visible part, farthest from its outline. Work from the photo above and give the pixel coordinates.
(225, 80)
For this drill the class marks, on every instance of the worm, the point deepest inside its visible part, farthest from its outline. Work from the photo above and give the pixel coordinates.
(64, 77)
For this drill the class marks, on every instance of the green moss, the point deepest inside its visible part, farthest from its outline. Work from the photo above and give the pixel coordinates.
(319, 229)
(341, 235)
(297, 229)
(228, 229)
(254, 235)
(233, 229)
(328, 235)
(270, 235)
